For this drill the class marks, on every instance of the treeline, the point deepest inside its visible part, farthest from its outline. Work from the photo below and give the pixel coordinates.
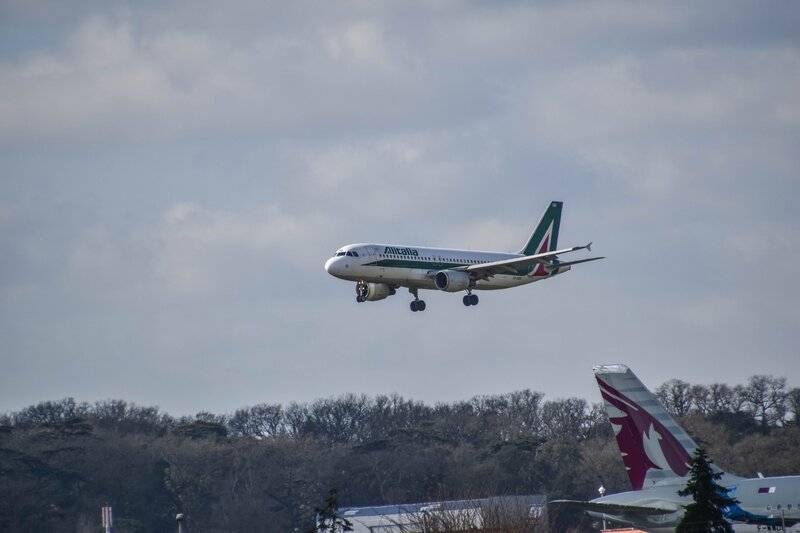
(349, 418)
(764, 400)
(265, 467)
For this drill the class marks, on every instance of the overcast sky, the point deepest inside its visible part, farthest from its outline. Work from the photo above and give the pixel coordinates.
(173, 176)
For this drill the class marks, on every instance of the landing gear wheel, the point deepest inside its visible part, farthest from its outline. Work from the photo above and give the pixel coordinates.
(359, 298)
(417, 304)
(470, 299)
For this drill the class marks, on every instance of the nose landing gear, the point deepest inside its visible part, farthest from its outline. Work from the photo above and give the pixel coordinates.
(361, 292)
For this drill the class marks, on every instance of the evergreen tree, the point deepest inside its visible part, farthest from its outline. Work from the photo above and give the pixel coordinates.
(704, 514)
(328, 518)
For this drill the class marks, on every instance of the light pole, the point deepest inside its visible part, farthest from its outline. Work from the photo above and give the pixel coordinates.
(179, 519)
(602, 491)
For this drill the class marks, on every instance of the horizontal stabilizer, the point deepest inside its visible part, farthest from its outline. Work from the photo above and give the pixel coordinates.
(577, 261)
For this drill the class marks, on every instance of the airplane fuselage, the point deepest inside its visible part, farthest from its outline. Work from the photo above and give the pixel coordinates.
(416, 266)
(769, 501)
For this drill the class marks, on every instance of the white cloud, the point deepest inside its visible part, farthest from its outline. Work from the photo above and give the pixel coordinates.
(195, 251)
(118, 79)
(361, 42)
(687, 90)
(380, 179)
(98, 82)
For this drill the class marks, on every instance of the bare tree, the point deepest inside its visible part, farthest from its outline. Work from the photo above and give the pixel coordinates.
(566, 418)
(701, 399)
(793, 404)
(766, 400)
(720, 398)
(49, 412)
(675, 395)
(260, 421)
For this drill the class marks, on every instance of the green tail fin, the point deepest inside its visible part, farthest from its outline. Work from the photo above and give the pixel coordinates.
(545, 237)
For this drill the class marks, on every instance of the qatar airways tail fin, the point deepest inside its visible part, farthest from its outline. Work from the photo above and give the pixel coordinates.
(653, 446)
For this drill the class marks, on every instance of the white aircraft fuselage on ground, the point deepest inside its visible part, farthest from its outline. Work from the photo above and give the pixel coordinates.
(380, 269)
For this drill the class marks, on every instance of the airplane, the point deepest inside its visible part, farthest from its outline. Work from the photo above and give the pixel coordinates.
(657, 453)
(380, 269)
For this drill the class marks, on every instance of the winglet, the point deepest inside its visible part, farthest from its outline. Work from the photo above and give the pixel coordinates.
(589, 247)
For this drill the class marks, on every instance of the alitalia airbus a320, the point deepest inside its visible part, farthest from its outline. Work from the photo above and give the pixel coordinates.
(380, 269)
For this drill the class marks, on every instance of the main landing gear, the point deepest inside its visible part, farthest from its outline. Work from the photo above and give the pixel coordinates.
(416, 304)
(470, 299)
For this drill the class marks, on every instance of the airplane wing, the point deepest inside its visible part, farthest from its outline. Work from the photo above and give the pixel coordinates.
(614, 508)
(511, 266)
(634, 512)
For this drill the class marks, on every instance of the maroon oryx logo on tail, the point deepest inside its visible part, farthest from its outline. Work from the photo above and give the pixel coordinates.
(644, 441)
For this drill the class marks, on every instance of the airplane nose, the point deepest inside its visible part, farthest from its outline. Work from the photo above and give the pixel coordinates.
(335, 266)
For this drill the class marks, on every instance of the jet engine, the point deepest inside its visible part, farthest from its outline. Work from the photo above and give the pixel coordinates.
(452, 281)
(370, 292)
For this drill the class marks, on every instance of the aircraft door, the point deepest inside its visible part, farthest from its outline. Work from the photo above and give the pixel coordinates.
(373, 252)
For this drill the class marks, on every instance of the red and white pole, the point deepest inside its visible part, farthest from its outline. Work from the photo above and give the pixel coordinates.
(108, 519)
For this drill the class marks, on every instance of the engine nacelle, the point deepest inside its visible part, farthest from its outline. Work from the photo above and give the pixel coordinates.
(371, 292)
(452, 281)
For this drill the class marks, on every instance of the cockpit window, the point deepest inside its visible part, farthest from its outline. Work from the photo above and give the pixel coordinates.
(355, 254)
(339, 253)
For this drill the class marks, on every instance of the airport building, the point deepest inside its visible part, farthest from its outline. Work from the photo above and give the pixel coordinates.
(486, 514)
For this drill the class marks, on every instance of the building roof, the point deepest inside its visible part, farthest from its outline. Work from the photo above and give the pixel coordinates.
(447, 505)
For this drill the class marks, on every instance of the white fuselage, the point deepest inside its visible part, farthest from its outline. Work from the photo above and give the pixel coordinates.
(768, 501)
(416, 266)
